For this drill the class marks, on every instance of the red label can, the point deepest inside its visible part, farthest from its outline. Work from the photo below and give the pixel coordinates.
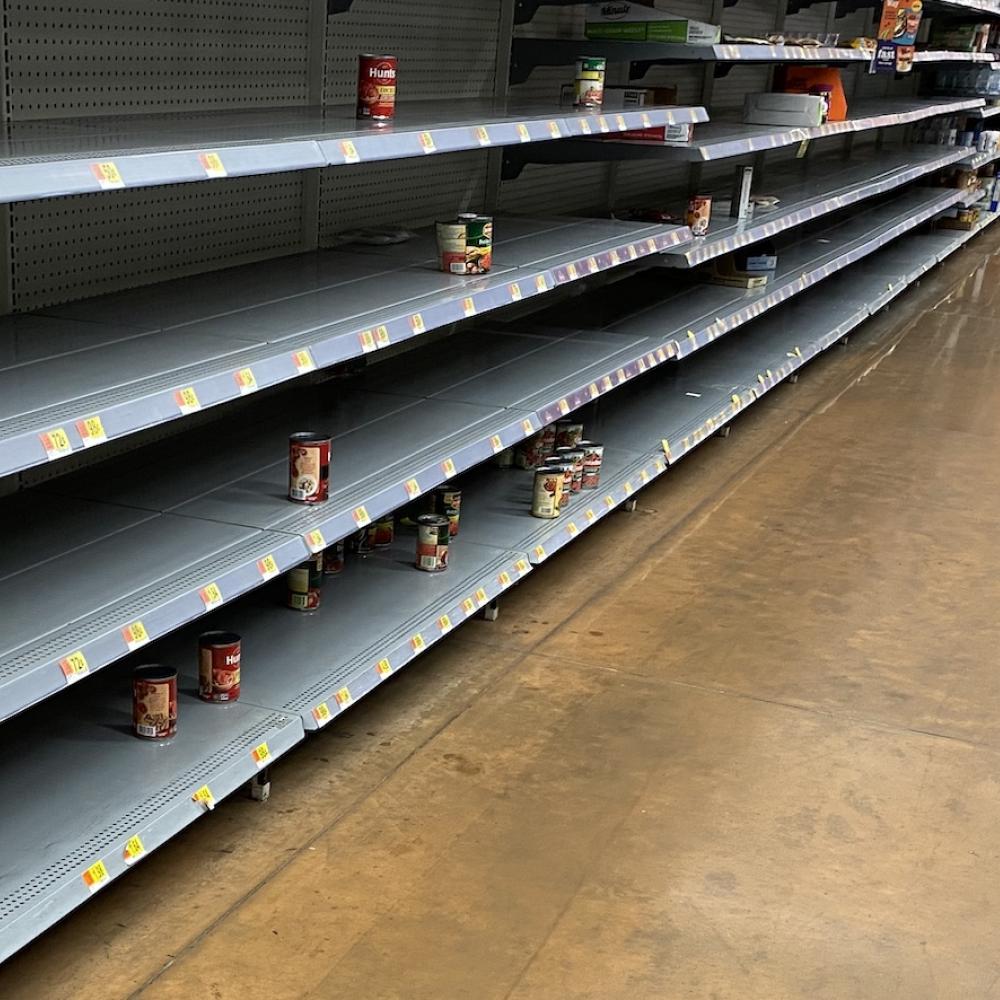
(376, 88)
(433, 535)
(219, 666)
(333, 559)
(154, 702)
(309, 467)
(699, 213)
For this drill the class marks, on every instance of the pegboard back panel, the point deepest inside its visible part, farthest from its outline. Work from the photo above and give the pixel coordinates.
(72, 248)
(91, 57)
(445, 49)
(409, 192)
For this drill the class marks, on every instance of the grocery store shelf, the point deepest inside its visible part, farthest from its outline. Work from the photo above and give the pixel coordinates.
(988, 111)
(42, 159)
(102, 787)
(721, 139)
(807, 192)
(142, 357)
(943, 55)
(529, 53)
(976, 159)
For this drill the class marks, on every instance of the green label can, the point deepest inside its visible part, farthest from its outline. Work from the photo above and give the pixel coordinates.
(589, 87)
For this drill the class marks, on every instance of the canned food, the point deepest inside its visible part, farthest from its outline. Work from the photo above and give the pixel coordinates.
(546, 497)
(533, 451)
(154, 702)
(566, 468)
(304, 584)
(381, 532)
(309, 467)
(219, 666)
(376, 87)
(575, 456)
(568, 434)
(447, 500)
(363, 542)
(433, 535)
(505, 459)
(465, 246)
(592, 459)
(333, 559)
(589, 87)
(699, 213)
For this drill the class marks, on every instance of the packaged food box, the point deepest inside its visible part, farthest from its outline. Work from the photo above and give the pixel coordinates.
(623, 20)
(784, 109)
(620, 98)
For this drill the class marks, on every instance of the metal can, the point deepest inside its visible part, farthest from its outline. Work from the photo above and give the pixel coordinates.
(447, 500)
(309, 467)
(433, 536)
(304, 584)
(465, 246)
(592, 459)
(575, 456)
(333, 559)
(568, 434)
(589, 87)
(219, 666)
(699, 213)
(381, 532)
(566, 468)
(154, 702)
(546, 497)
(376, 87)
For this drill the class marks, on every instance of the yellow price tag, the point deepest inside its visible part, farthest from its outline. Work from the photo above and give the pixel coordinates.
(539, 552)
(267, 567)
(322, 714)
(620, 122)
(541, 283)
(496, 444)
(644, 476)
(74, 666)
(367, 341)
(554, 130)
(593, 265)
(628, 488)
(107, 175)
(594, 391)
(344, 697)
(615, 258)
(469, 606)
(521, 566)
(591, 516)
(427, 142)
(135, 635)
(571, 271)
(572, 528)
(91, 431)
(246, 381)
(187, 400)
(383, 668)
(468, 307)
(417, 643)
(412, 488)
(212, 164)
(482, 135)
(360, 516)
(315, 541)
(522, 132)
(261, 755)
(382, 336)
(134, 849)
(211, 596)
(527, 427)
(602, 124)
(417, 323)
(666, 447)
(56, 443)
(96, 876)
(609, 501)
(563, 406)
(444, 624)
(350, 151)
(504, 579)
(481, 598)
(736, 401)
(647, 122)
(515, 291)
(651, 245)
(204, 797)
(585, 126)
(448, 467)
(303, 361)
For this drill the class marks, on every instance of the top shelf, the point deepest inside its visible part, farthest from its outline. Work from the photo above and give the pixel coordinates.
(529, 53)
(42, 159)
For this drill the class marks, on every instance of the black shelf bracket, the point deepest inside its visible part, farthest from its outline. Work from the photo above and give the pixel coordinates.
(337, 7)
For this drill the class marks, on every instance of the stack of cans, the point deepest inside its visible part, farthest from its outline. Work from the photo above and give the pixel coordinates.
(564, 463)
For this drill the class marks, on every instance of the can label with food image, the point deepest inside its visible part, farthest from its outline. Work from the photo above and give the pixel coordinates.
(592, 459)
(382, 532)
(309, 467)
(589, 87)
(569, 433)
(304, 584)
(154, 702)
(699, 214)
(219, 655)
(376, 87)
(433, 536)
(447, 501)
(547, 495)
(465, 246)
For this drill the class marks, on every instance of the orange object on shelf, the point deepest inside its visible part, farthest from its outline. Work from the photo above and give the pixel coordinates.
(801, 79)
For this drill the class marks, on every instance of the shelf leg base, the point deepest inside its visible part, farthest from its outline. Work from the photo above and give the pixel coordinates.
(723, 432)
(629, 505)
(793, 378)
(492, 611)
(259, 788)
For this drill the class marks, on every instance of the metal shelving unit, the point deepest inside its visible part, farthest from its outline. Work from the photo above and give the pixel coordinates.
(156, 354)
(83, 155)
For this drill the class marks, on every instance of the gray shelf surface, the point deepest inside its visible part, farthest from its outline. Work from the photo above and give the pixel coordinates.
(83, 786)
(124, 357)
(211, 516)
(721, 138)
(44, 159)
(809, 191)
(299, 671)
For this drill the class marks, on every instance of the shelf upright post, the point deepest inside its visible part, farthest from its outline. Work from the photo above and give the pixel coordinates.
(501, 88)
(6, 257)
(316, 83)
(707, 87)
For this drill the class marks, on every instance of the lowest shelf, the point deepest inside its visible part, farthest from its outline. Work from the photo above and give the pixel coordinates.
(302, 671)
(208, 511)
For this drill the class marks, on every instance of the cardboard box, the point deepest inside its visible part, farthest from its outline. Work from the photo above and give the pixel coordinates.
(620, 98)
(670, 135)
(801, 110)
(626, 21)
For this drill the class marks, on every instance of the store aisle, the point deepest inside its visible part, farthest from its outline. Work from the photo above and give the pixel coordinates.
(740, 744)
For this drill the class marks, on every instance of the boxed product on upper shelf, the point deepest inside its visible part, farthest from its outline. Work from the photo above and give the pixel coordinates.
(623, 19)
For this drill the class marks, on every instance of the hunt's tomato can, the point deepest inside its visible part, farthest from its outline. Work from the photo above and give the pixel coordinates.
(219, 666)
(574, 456)
(154, 702)
(333, 559)
(699, 213)
(592, 458)
(433, 536)
(546, 498)
(304, 584)
(447, 500)
(376, 88)
(309, 467)
(568, 433)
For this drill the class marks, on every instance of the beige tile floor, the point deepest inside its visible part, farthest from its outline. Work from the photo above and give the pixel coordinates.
(740, 744)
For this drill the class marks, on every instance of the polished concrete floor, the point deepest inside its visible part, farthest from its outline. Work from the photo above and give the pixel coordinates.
(740, 744)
